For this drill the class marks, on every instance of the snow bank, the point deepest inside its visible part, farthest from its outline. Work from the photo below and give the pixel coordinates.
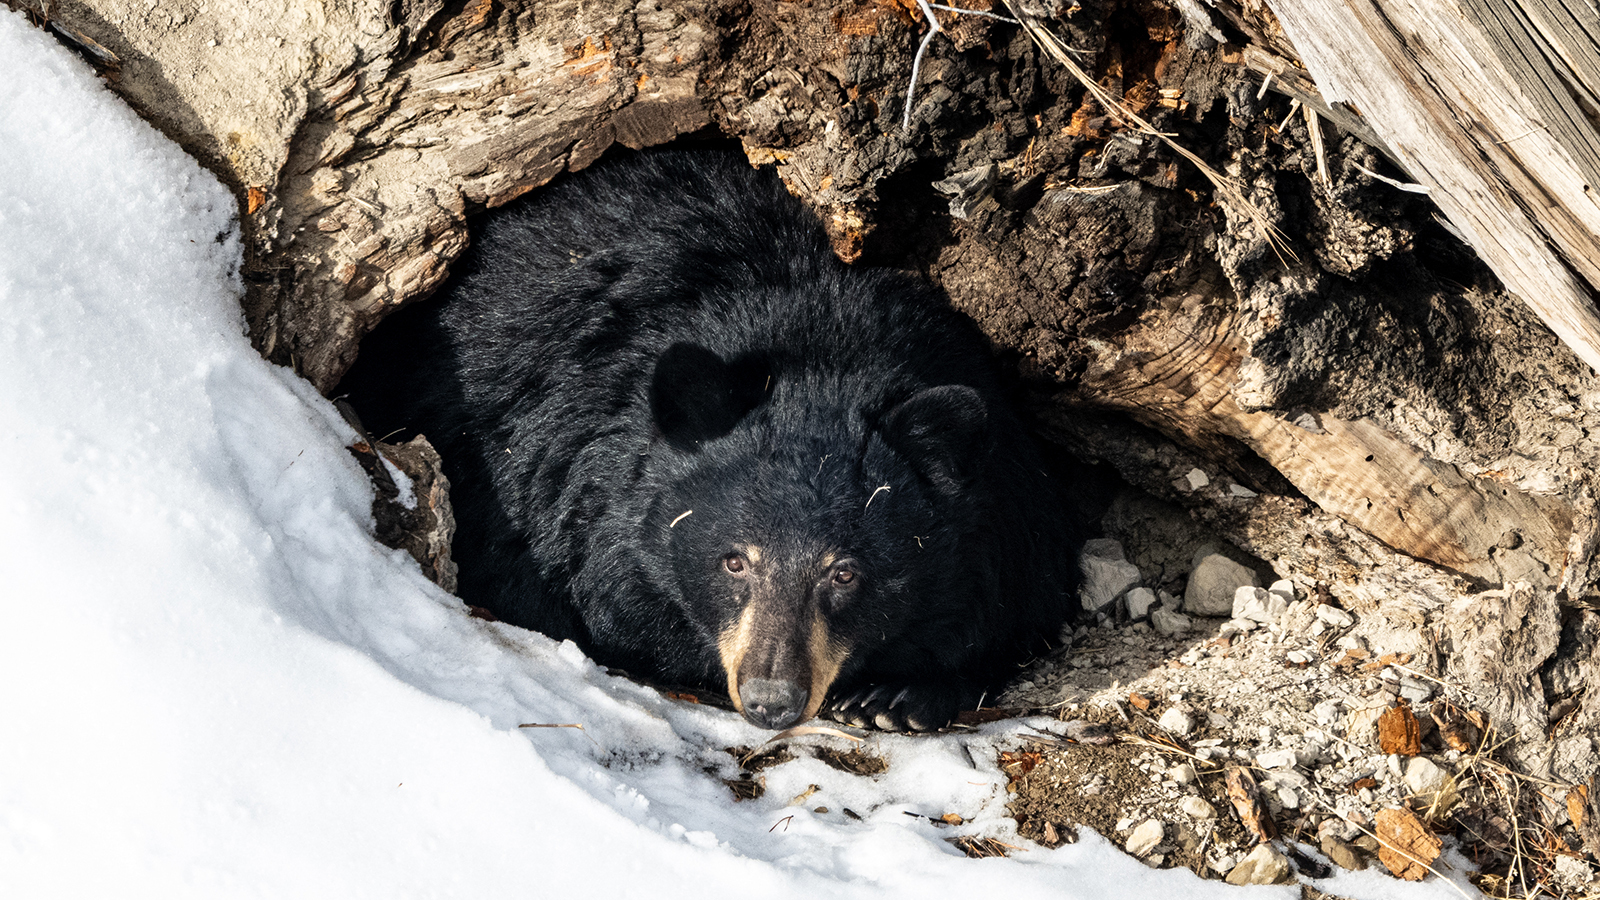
(214, 683)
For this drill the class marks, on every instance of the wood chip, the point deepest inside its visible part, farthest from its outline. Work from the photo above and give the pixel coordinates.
(1246, 799)
(1352, 658)
(1017, 763)
(951, 819)
(1456, 729)
(1583, 806)
(1405, 846)
(1578, 806)
(1387, 660)
(1139, 701)
(981, 847)
(1398, 731)
(1361, 783)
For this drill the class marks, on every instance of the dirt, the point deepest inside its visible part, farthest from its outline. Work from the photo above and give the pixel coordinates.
(1111, 789)
(1297, 702)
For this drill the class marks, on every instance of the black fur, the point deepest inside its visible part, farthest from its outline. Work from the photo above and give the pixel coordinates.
(660, 399)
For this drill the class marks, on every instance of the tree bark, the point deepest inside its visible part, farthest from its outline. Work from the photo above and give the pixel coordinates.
(1365, 403)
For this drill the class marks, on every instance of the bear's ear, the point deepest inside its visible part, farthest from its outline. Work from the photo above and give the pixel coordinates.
(696, 396)
(942, 432)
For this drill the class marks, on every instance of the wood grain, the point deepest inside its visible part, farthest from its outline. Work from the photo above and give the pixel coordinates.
(1472, 99)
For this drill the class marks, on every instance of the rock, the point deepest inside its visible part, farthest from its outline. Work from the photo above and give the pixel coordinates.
(1289, 797)
(1196, 808)
(1176, 721)
(1105, 548)
(1257, 605)
(1327, 712)
(1139, 601)
(1299, 657)
(1415, 689)
(1396, 765)
(1263, 865)
(1276, 759)
(1284, 588)
(1145, 837)
(1165, 621)
(1343, 855)
(1361, 725)
(1572, 873)
(1106, 574)
(1197, 479)
(1430, 786)
(1212, 585)
(1234, 627)
(1334, 617)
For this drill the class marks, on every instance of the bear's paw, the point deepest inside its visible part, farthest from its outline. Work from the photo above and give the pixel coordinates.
(897, 706)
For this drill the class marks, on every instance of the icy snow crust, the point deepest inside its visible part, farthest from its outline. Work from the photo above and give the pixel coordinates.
(214, 683)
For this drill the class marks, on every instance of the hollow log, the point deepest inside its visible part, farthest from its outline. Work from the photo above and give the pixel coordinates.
(1367, 402)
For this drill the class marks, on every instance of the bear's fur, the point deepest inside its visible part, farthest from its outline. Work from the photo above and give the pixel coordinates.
(681, 433)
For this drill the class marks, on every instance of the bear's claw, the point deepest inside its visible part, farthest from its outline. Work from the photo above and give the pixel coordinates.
(896, 707)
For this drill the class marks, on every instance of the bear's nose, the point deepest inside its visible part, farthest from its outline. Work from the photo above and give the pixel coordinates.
(770, 703)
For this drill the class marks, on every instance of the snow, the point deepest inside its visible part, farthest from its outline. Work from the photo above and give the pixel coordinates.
(214, 683)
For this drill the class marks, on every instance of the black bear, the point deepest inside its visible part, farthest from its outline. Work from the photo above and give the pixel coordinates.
(681, 433)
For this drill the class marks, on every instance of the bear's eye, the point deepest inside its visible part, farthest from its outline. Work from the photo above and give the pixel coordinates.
(734, 564)
(843, 576)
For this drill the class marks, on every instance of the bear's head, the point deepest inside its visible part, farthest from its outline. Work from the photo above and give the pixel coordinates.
(802, 531)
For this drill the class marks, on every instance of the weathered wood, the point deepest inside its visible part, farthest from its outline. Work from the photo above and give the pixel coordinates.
(1460, 107)
(359, 142)
(1179, 373)
(360, 138)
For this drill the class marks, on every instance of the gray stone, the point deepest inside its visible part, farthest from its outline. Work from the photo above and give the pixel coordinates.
(1415, 689)
(1257, 605)
(1334, 617)
(1196, 808)
(1104, 548)
(1572, 873)
(1276, 759)
(1263, 865)
(1165, 621)
(1284, 588)
(1212, 585)
(1106, 574)
(1176, 721)
(1145, 837)
(1430, 785)
(1139, 601)
(1343, 855)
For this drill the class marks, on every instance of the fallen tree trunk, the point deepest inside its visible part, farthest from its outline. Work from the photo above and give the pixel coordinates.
(1303, 358)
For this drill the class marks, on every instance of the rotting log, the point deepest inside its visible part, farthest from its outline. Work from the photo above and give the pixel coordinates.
(1482, 103)
(1394, 429)
(1179, 376)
